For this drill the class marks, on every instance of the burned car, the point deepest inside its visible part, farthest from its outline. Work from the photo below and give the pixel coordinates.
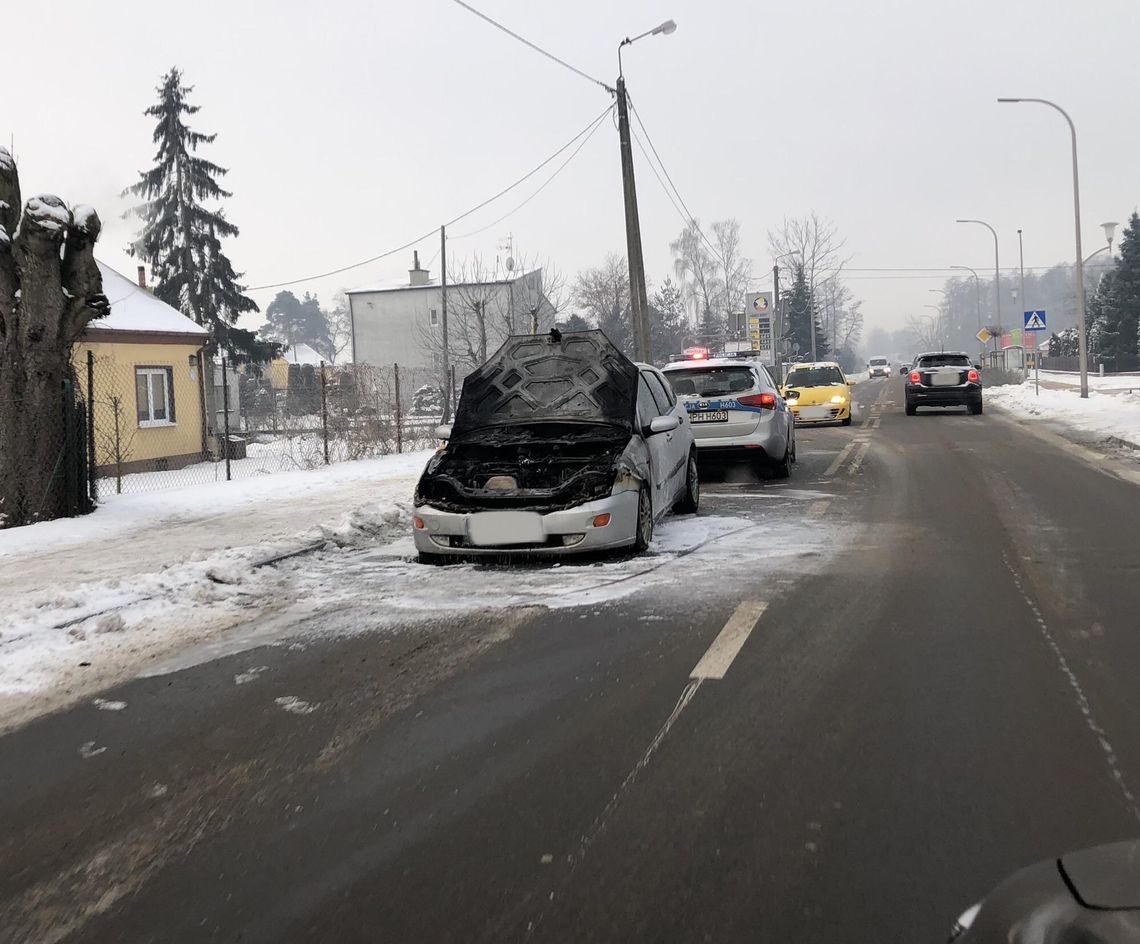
(560, 444)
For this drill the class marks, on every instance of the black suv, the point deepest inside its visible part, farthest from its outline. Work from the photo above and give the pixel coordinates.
(943, 379)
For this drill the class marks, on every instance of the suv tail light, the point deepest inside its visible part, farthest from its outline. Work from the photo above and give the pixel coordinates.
(766, 401)
(915, 377)
(972, 376)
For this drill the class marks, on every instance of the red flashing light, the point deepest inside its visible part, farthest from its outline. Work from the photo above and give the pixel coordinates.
(972, 376)
(915, 377)
(699, 356)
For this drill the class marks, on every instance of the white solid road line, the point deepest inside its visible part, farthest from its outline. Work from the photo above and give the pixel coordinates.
(839, 459)
(716, 660)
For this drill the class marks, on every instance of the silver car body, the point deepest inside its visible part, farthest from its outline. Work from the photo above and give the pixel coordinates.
(657, 459)
(733, 426)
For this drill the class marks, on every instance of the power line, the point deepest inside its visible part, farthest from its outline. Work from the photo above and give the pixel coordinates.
(419, 239)
(597, 123)
(536, 48)
(691, 219)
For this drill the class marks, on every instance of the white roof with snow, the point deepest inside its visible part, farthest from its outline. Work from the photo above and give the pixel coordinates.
(301, 354)
(136, 309)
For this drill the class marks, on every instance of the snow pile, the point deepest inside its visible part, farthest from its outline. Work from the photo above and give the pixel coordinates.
(1104, 416)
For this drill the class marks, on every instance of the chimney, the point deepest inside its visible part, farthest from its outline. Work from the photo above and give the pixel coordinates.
(416, 275)
(142, 276)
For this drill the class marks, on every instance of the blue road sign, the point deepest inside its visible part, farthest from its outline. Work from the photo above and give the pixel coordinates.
(1035, 321)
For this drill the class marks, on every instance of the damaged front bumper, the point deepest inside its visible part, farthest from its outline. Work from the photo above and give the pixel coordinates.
(493, 533)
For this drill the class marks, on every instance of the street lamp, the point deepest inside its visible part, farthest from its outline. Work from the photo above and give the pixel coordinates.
(639, 302)
(997, 271)
(1082, 339)
(1109, 233)
(977, 291)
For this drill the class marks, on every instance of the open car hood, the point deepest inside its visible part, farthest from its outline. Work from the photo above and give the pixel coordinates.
(576, 376)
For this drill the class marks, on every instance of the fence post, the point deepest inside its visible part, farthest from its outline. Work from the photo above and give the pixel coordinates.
(226, 415)
(451, 392)
(325, 411)
(117, 406)
(399, 411)
(70, 466)
(92, 464)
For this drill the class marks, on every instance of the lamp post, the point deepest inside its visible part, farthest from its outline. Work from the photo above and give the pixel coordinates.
(1082, 340)
(997, 276)
(639, 302)
(1109, 233)
(977, 291)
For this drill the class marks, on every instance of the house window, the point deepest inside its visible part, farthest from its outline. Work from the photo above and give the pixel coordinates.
(434, 317)
(154, 392)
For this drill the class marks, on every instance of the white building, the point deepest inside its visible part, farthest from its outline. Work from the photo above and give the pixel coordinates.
(403, 323)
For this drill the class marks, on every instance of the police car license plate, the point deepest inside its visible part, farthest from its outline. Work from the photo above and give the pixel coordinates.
(709, 416)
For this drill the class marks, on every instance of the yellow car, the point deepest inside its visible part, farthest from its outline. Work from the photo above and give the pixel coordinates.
(819, 393)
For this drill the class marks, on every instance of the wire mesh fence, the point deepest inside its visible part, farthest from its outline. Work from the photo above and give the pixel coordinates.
(44, 467)
(158, 425)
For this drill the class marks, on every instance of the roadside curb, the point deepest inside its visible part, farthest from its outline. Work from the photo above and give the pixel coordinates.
(1105, 462)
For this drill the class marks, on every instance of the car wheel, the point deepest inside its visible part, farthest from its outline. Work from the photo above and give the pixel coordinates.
(783, 468)
(793, 447)
(687, 504)
(976, 408)
(644, 520)
(846, 422)
(911, 409)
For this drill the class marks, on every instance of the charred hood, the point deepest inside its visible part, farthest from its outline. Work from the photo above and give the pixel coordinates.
(571, 377)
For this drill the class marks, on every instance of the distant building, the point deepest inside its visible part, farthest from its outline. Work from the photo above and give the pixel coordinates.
(403, 323)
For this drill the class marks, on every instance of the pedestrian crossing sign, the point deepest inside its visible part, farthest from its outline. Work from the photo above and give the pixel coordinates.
(1034, 321)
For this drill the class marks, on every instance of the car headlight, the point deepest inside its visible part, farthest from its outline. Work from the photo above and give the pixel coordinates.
(838, 399)
(793, 402)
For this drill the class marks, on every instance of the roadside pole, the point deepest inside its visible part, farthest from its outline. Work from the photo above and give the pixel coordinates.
(446, 365)
(1024, 303)
(639, 304)
(226, 415)
(778, 338)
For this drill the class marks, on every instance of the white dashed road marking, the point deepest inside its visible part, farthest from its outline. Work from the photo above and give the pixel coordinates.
(839, 459)
(716, 660)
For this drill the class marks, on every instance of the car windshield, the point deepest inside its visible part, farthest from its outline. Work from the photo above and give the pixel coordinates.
(710, 381)
(815, 377)
(878, 361)
(944, 360)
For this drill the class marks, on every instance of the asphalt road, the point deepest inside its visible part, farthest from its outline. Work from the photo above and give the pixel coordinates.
(848, 745)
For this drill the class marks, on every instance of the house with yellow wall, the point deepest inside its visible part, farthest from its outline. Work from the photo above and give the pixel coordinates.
(142, 366)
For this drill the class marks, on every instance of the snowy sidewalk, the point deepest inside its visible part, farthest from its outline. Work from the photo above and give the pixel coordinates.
(1105, 415)
(90, 601)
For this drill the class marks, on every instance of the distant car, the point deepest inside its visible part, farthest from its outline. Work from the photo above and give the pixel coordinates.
(943, 379)
(819, 393)
(878, 367)
(736, 411)
(560, 444)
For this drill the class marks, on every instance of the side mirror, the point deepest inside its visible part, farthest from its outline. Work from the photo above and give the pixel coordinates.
(663, 424)
(443, 431)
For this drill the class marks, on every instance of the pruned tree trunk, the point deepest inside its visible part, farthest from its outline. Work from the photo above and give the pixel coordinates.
(50, 290)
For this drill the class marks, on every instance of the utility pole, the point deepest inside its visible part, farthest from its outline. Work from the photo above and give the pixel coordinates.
(446, 365)
(778, 332)
(1025, 335)
(639, 302)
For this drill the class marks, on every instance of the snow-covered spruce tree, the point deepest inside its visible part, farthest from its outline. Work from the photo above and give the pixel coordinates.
(183, 227)
(50, 290)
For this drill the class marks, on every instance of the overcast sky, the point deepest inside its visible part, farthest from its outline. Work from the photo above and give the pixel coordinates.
(352, 126)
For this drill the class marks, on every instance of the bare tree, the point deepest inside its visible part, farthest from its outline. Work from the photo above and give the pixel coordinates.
(736, 269)
(843, 319)
(925, 332)
(50, 290)
(812, 242)
(602, 296)
(699, 273)
(338, 329)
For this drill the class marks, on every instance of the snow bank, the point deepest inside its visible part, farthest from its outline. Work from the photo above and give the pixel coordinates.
(1103, 415)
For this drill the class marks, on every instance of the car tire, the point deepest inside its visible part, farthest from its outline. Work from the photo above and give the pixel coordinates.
(976, 407)
(846, 422)
(783, 468)
(688, 503)
(644, 533)
(911, 409)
